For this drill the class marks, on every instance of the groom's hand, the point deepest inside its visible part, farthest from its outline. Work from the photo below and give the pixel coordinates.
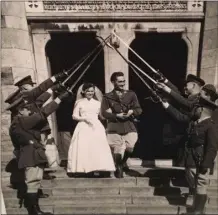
(130, 112)
(122, 116)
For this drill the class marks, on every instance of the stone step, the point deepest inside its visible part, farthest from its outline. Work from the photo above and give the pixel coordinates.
(130, 182)
(65, 181)
(102, 199)
(112, 209)
(140, 191)
(102, 182)
(144, 209)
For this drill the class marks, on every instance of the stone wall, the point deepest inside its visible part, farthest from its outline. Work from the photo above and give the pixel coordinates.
(209, 60)
(17, 56)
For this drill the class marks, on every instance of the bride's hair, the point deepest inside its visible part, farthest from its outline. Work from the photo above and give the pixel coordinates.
(81, 92)
(85, 87)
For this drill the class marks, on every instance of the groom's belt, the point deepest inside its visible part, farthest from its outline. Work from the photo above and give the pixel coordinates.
(121, 127)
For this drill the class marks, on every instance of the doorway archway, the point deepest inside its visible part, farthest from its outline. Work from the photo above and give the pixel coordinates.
(63, 51)
(166, 52)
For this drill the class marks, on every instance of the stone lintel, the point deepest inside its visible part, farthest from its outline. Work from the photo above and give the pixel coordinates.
(116, 16)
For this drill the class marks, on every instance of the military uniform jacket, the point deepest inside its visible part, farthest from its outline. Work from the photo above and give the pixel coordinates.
(32, 96)
(186, 103)
(202, 142)
(26, 131)
(117, 104)
(172, 132)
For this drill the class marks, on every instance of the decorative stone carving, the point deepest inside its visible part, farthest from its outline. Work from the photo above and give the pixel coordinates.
(101, 6)
(196, 5)
(34, 6)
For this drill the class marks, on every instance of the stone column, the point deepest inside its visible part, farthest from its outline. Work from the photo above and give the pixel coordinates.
(113, 62)
(17, 56)
(40, 40)
(209, 58)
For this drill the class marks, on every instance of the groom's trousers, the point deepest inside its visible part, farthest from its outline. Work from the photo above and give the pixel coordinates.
(119, 143)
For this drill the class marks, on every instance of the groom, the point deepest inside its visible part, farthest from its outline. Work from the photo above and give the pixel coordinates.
(120, 107)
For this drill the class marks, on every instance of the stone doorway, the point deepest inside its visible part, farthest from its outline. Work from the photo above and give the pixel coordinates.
(168, 53)
(63, 51)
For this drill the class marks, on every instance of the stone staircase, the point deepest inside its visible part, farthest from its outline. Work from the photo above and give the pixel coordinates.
(141, 191)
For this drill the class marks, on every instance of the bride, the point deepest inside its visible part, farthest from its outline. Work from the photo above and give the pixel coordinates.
(89, 150)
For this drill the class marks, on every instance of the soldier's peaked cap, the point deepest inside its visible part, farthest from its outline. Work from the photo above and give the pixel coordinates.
(12, 97)
(16, 105)
(209, 88)
(207, 103)
(25, 80)
(194, 78)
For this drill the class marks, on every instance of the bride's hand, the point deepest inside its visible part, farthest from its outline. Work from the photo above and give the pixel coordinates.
(88, 121)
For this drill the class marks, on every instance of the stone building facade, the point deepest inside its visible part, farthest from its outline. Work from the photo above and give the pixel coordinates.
(27, 28)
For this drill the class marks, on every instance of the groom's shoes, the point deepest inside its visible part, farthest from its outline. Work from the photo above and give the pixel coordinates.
(119, 167)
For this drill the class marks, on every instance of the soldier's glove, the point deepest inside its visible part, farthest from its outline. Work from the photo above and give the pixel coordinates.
(38, 145)
(203, 170)
(58, 88)
(64, 95)
(61, 76)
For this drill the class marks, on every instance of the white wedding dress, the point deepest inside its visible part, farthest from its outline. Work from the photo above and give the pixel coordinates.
(89, 150)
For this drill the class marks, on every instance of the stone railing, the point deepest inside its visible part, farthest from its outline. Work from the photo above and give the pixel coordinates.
(113, 6)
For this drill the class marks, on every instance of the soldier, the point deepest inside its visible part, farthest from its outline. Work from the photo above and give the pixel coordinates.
(31, 94)
(192, 89)
(119, 107)
(200, 148)
(172, 132)
(26, 128)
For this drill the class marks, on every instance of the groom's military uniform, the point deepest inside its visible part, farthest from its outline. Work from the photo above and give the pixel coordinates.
(122, 134)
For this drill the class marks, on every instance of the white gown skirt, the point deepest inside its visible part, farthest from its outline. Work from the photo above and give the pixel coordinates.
(89, 149)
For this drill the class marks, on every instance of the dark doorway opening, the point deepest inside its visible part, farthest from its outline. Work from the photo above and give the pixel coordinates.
(167, 53)
(63, 51)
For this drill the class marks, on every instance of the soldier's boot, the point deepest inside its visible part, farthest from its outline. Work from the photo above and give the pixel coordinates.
(41, 194)
(127, 154)
(200, 202)
(118, 163)
(31, 203)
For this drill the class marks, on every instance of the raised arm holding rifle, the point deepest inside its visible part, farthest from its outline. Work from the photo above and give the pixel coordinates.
(26, 130)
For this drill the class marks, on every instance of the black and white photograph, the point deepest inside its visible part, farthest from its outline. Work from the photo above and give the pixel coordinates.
(109, 107)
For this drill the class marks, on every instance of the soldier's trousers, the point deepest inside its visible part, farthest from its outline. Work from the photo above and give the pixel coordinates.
(202, 180)
(33, 179)
(120, 143)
